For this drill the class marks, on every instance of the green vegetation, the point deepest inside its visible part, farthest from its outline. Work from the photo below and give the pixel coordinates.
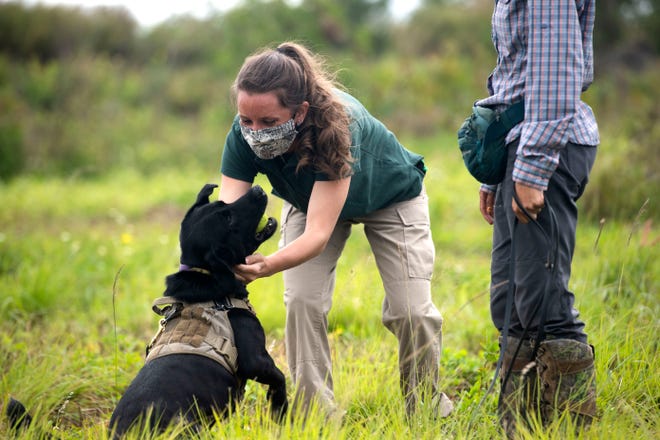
(107, 132)
(81, 260)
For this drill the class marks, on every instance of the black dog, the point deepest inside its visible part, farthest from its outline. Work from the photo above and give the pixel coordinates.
(214, 237)
(190, 385)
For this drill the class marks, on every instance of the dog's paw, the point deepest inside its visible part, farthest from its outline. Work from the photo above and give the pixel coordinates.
(279, 413)
(279, 404)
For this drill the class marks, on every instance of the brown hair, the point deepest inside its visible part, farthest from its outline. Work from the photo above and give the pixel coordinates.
(296, 75)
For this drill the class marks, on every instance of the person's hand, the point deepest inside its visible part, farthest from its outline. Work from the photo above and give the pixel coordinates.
(486, 204)
(255, 267)
(531, 199)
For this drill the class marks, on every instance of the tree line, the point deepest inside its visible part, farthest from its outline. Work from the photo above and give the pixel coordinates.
(87, 90)
(625, 28)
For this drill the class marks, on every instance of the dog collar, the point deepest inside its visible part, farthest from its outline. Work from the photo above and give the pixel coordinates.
(184, 267)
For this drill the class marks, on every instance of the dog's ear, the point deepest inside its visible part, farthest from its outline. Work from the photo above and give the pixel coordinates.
(204, 194)
(202, 199)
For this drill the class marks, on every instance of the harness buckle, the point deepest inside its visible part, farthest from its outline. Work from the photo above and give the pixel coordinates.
(223, 305)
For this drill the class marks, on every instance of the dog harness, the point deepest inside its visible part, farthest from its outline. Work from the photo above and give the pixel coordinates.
(196, 328)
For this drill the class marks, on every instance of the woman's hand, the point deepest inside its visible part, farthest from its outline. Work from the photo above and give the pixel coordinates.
(255, 266)
(325, 205)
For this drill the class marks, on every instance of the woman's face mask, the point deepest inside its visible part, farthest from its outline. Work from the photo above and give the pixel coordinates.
(270, 142)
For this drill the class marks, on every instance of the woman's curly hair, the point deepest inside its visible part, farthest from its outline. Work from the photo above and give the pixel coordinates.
(297, 75)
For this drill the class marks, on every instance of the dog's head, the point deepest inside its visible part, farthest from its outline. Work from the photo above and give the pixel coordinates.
(216, 235)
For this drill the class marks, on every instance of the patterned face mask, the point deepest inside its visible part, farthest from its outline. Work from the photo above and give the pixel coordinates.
(271, 142)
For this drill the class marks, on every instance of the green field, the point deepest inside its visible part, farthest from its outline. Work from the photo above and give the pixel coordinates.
(81, 261)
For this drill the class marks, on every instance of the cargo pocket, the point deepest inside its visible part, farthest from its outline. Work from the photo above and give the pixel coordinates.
(417, 241)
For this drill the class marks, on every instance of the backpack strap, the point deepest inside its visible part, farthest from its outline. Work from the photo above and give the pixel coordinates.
(513, 115)
(503, 122)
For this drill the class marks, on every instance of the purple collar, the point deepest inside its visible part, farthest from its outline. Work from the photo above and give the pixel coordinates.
(185, 267)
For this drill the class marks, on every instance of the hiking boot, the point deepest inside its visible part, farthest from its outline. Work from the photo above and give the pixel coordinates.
(567, 380)
(518, 394)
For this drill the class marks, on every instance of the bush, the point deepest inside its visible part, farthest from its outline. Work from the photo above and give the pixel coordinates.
(11, 150)
(627, 169)
(57, 32)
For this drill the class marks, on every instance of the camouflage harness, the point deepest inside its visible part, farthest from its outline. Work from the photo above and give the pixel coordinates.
(196, 328)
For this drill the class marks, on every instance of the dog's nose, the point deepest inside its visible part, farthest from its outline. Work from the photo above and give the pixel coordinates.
(258, 193)
(257, 190)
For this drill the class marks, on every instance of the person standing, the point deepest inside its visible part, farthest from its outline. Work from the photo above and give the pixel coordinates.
(334, 165)
(545, 59)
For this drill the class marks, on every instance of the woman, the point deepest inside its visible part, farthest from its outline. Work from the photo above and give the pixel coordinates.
(334, 165)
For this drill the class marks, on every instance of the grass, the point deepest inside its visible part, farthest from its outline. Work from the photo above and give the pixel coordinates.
(81, 260)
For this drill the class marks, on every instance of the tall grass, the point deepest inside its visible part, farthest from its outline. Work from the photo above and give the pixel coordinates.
(68, 355)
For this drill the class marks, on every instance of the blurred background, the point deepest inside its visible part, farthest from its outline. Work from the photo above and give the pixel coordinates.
(85, 90)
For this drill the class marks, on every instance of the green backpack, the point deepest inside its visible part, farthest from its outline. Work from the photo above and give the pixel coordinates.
(482, 141)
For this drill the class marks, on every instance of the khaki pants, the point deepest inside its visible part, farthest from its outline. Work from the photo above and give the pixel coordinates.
(400, 239)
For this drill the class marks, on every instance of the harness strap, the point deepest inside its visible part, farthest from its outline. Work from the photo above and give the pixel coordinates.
(226, 304)
(509, 118)
(513, 115)
(229, 303)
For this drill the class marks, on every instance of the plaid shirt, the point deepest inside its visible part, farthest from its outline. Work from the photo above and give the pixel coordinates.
(545, 57)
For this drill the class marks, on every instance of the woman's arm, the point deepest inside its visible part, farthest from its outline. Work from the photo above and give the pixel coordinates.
(325, 204)
(231, 189)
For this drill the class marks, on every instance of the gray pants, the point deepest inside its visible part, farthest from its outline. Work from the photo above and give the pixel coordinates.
(400, 239)
(532, 248)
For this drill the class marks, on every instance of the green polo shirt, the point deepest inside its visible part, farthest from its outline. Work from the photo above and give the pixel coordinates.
(384, 172)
